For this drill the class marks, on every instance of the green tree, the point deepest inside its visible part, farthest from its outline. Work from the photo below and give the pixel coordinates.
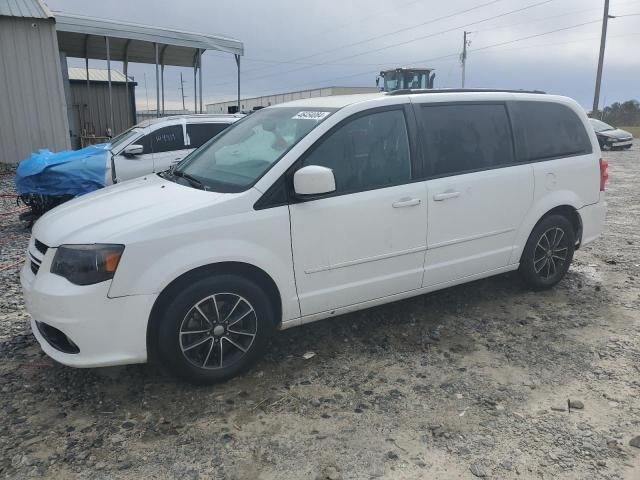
(622, 114)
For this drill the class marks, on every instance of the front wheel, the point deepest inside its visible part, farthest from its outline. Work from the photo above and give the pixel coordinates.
(214, 329)
(548, 252)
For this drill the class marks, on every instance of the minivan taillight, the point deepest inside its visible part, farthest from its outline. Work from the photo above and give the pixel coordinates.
(604, 174)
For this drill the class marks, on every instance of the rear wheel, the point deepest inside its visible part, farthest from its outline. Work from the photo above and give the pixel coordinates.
(215, 329)
(548, 252)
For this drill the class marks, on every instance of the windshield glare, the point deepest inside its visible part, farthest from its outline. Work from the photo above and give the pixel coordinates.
(123, 138)
(242, 153)
(599, 126)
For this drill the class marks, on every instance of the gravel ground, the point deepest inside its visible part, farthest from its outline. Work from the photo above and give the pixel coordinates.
(469, 382)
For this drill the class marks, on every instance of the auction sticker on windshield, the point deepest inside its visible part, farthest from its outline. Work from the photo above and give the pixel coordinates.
(310, 115)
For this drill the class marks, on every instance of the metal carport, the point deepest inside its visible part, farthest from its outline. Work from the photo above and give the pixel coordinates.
(100, 39)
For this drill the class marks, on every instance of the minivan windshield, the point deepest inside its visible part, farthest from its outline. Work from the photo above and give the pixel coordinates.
(241, 154)
(599, 126)
(123, 138)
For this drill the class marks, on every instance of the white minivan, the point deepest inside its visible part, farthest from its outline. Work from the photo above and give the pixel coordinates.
(308, 210)
(155, 145)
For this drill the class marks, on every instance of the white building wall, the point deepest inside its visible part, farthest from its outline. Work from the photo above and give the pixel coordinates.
(248, 104)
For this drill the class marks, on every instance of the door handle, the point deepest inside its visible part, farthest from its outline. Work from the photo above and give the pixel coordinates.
(406, 202)
(439, 197)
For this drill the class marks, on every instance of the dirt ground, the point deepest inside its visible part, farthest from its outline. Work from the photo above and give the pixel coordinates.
(469, 382)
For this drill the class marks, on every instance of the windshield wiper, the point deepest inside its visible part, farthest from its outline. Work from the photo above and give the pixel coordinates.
(192, 180)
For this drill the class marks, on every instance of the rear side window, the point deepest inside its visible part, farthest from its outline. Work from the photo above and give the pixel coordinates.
(371, 151)
(550, 130)
(201, 133)
(466, 137)
(165, 139)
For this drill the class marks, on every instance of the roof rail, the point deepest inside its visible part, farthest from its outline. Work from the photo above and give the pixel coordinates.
(407, 91)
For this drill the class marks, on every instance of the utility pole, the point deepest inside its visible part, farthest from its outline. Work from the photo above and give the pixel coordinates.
(603, 39)
(182, 89)
(463, 56)
(146, 91)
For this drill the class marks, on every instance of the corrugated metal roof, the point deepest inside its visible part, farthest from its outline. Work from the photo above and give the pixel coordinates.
(96, 75)
(24, 8)
(80, 36)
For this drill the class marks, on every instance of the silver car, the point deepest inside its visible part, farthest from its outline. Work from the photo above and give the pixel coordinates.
(611, 137)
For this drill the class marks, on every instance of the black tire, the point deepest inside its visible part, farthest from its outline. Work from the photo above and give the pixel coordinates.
(214, 294)
(540, 269)
(627, 147)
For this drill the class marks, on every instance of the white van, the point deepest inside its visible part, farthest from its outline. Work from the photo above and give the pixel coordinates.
(155, 145)
(309, 210)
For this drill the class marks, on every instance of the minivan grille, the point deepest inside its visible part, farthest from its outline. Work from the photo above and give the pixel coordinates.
(41, 247)
(34, 264)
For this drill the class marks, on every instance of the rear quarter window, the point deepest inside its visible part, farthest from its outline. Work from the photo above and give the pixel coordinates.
(549, 130)
(201, 133)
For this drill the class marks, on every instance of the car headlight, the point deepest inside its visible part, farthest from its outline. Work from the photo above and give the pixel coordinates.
(87, 264)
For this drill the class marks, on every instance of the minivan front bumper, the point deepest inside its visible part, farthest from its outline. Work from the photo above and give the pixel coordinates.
(106, 331)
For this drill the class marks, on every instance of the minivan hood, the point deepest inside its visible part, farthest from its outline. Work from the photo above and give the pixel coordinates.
(108, 214)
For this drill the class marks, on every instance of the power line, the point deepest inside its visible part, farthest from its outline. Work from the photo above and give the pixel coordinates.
(536, 35)
(376, 37)
(401, 30)
(339, 27)
(401, 43)
(499, 27)
(456, 54)
(540, 45)
(491, 29)
(295, 62)
(376, 64)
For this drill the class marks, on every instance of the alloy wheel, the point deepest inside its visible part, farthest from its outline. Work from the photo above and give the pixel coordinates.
(218, 331)
(550, 253)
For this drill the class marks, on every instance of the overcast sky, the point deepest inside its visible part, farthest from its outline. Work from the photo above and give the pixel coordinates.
(299, 44)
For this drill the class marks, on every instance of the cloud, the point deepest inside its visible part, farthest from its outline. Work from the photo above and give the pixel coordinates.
(285, 40)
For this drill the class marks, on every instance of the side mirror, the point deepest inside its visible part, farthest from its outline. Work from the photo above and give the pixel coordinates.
(314, 180)
(133, 150)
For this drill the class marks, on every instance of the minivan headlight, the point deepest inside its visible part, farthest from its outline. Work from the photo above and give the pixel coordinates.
(87, 264)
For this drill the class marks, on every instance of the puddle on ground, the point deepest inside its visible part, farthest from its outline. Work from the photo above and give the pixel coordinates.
(589, 271)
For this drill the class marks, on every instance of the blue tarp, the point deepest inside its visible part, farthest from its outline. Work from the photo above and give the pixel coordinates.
(71, 172)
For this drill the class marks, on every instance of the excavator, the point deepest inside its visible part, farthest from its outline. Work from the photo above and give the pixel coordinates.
(406, 79)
